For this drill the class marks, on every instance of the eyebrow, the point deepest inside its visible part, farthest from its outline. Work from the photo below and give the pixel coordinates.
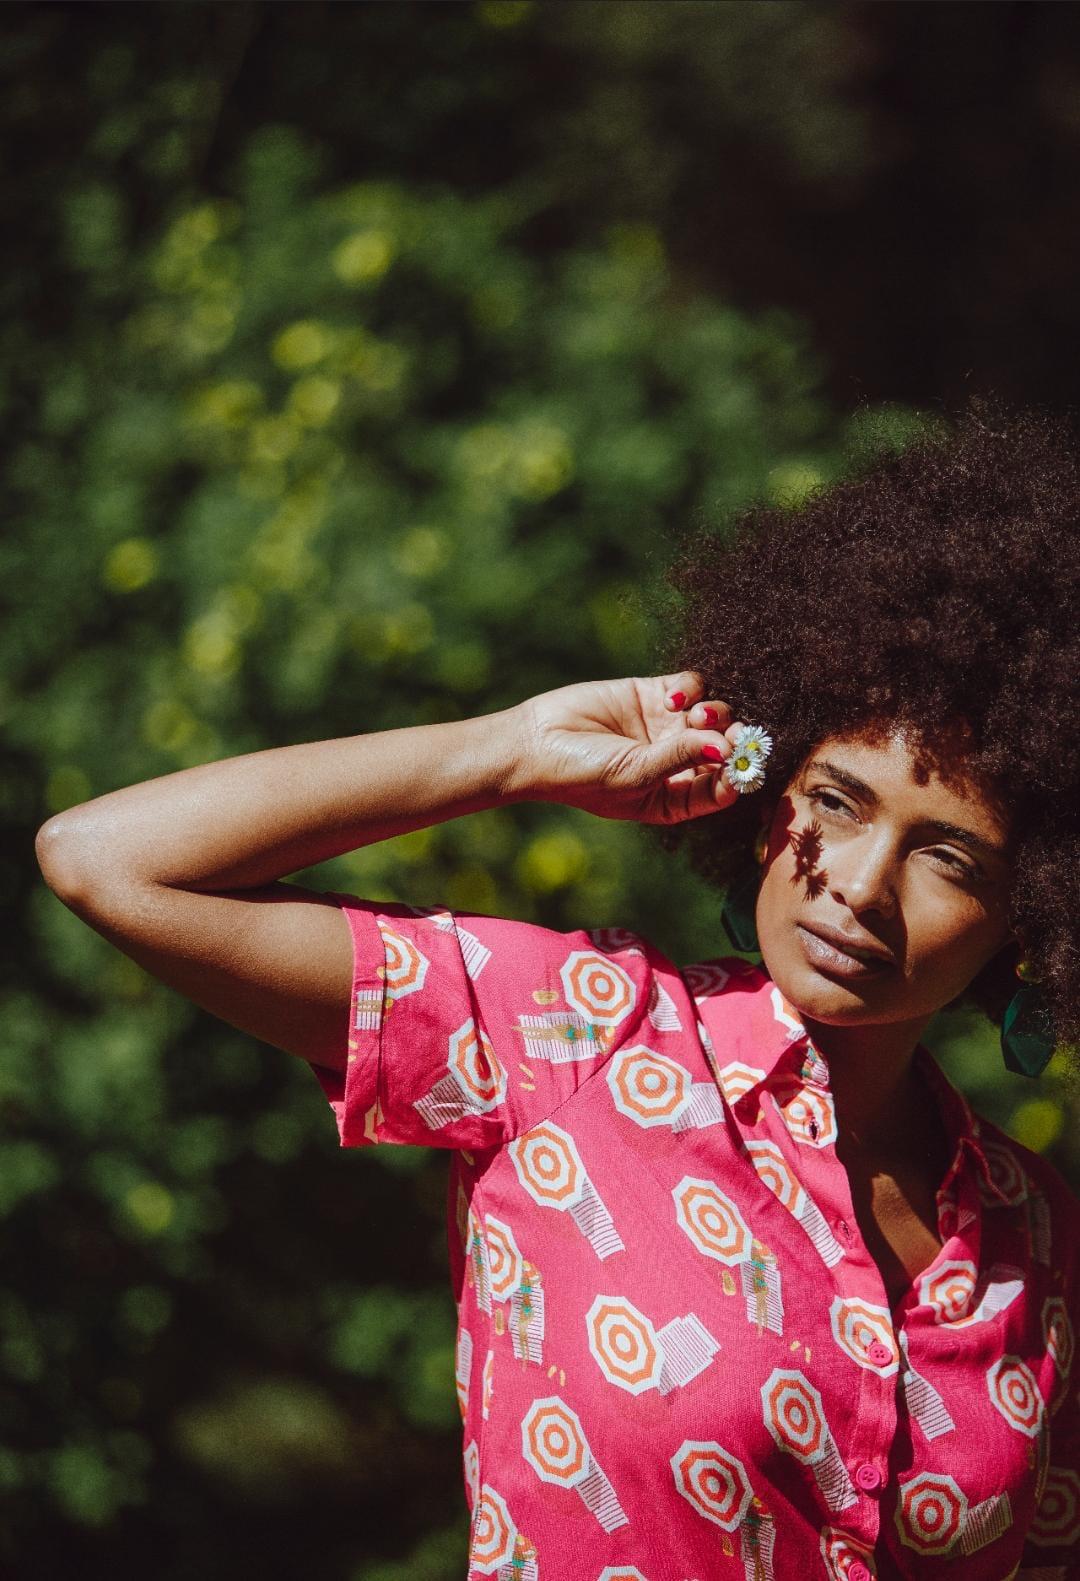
(949, 831)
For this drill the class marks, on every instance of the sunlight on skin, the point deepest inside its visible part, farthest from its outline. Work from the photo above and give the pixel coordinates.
(859, 848)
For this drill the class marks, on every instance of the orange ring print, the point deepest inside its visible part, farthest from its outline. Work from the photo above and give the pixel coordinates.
(406, 967)
(1060, 1344)
(859, 1327)
(1015, 1393)
(654, 1090)
(775, 1172)
(959, 1297)
(476, 1082)
(795, 1417)
(636, 1357)
(600, 996)
(1057, 1518)
(493, 1533)
(930, 1513)
(497, 1547)
(549, 1167)
(842, 1552)
(597, 988)
(933, 1516)
(587, 1199)
(501, 1275)
(711, 1220)
(714, 1482)
(716, 1228)
(554, 1444)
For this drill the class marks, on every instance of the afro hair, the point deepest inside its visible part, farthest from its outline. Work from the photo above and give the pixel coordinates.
(933, 587)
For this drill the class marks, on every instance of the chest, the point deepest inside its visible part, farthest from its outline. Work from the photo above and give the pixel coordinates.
(662, 1306)
(897, 1216)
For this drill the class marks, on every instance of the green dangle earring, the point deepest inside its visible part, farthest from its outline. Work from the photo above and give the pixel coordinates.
(740, 903)
(1027, 1032)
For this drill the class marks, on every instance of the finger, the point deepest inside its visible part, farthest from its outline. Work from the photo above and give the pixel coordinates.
(682, 690)
(724, 793)
(711, 715)
(710, 793)
(686, 776)
(684, 749)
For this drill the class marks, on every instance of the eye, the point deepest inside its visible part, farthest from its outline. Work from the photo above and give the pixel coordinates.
(954, 865)
(829, 801)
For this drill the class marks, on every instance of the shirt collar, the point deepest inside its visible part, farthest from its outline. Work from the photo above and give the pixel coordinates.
(769, 1043)
(960, 1122)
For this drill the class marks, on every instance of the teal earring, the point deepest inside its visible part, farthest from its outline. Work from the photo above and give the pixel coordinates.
(740, 903)
(1027, 1033)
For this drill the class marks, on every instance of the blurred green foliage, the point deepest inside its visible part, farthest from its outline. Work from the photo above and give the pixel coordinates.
(293, 457)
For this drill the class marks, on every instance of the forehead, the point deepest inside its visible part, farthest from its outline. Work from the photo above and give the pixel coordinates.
(893, 765)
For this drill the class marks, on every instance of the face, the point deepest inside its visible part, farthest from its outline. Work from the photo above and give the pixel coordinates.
(912, 878)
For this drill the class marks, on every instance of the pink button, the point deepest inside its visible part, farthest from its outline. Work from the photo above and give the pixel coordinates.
(858, 1572)
(879, 1354)
(868, 1477)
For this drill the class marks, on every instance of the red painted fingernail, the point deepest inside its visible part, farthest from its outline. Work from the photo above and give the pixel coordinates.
(713, 754)
(677, 699)
(712, 718)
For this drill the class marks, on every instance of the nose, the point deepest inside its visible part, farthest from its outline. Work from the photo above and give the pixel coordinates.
(862, 873)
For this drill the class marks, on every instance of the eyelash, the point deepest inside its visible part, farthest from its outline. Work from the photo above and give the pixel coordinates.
(956, 867)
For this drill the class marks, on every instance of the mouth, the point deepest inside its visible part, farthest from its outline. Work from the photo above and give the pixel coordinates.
(836, 957)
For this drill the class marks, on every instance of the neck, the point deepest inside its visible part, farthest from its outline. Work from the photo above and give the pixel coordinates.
(880, 1107)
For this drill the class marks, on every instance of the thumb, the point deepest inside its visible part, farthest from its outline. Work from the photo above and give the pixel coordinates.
(685, 749)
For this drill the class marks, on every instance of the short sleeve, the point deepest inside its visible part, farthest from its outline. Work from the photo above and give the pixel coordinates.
(1052, 1548)
(466, 1030)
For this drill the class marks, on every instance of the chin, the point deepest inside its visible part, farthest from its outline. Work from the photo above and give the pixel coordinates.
(818, 998)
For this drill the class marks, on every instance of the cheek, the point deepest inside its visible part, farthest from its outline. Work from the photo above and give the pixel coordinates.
(796, 863)
(960, 930)
(782, 898)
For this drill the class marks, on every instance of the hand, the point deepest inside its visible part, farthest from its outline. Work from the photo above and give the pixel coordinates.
(631, 748)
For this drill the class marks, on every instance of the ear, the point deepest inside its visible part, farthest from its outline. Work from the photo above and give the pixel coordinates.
(766, 812)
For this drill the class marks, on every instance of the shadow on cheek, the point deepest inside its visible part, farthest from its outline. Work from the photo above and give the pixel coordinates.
(807, 846)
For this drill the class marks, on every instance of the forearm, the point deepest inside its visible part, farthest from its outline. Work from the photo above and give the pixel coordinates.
(248, 820)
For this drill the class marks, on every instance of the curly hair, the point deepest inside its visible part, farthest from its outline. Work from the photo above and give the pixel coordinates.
(933, 587)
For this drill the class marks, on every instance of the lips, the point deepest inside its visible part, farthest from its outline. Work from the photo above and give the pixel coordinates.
(834, 952)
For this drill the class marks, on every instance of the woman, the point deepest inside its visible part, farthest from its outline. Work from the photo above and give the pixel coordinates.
(744, 1286)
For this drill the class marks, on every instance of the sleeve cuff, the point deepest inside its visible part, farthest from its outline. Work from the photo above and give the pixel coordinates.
(354, 1093)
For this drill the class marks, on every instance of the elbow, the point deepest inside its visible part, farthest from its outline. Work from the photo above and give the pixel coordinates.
(59, 857)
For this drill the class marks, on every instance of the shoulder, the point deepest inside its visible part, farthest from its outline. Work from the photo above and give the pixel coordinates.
(738, 994)
(603, 974)
(726, 977)
(593, 986)
(1027, 1178)
(469, 1029)
(1037, 1169)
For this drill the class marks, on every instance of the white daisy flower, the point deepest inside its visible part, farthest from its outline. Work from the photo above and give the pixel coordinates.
(749, 738)
(745, 768)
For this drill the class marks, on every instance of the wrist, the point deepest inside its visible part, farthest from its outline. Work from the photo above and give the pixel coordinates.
(503, 740)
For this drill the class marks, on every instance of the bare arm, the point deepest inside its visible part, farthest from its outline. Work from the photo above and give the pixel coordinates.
(183, 872)
(179, 872)
(245, 821)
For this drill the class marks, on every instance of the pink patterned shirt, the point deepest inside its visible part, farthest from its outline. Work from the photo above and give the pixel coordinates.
(676, 1359)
